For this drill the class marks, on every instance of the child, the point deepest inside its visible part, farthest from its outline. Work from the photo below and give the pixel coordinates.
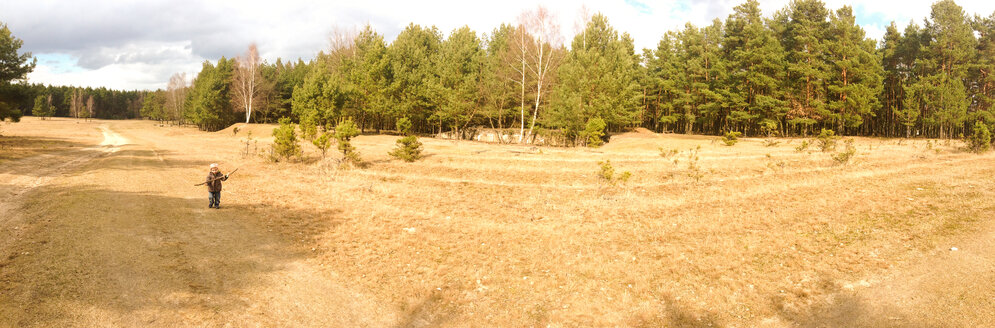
(214, 186)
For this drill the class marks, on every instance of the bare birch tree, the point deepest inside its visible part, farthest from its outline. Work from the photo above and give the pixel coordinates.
(76, 103)
(176, 94)
(544, 55)
(246, 81)
(90, 108)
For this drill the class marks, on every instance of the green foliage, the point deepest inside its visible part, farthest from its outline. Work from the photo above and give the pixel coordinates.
(208, 103)
(12, 67)
(668, 153)
(9, 113)
(43, 107)
(598, 79)
(847, 154)
(731, 138)
(344, 132)
(404, 125)
(323, 142)
(154, 106)
(608, 176)
(594, 132)
(694, 170)
(827, 140)
(981, 140)
(408, 149)
(802, 146)
(285, 140)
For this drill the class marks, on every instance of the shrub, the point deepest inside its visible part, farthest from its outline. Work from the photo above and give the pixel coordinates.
(344, 132)
(594, 131)
(309, 130)
(845, 156)
(285, 140)
(608, 175)
(771, 142)
(404, 125)
(668, 153)
(323, 142)
(827, 140)
(981, 140)
(408, 149)
(694, 170)
(803, 146)
(731, 138)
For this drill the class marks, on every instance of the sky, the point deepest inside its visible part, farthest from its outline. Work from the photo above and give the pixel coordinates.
(138, 45)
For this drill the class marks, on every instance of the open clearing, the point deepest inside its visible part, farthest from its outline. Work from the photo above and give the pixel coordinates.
(101, 225)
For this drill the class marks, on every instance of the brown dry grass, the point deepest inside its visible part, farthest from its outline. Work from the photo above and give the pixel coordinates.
(505, 235)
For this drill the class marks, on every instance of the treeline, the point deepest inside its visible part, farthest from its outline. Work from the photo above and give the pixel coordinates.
(67, 101)
(803, 69)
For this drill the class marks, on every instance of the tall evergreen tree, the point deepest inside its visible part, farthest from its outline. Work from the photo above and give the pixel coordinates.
(949, 47)
(805, 41)
(459, 66)
(414, 89)
(855, 80)
(209, 101)
(756, 62)
(597, 79)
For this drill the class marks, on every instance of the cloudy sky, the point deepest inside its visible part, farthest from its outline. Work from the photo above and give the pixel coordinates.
(139, 44)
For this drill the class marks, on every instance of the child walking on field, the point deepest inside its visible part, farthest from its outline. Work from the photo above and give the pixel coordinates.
(214, 179)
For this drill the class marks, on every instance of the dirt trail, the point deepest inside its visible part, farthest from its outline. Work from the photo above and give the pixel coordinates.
(108, 236)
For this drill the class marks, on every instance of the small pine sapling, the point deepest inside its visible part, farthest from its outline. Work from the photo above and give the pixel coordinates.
(285, 141)
(594, 131)
(694, 170)
(608, 176)
(344, 132)
(408, 148)
(803, 146)
(668, 153)
(731, 138)
(827, 140)
(844, 157)
(981, 140)
(323, 142)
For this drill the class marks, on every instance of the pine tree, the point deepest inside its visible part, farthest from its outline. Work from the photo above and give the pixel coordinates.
(285, 140)
(459, 65)
(415, 90)
(344, 132)
(983, 72)
(209, 101)
(43, 107)
(855, 80)
(370, 75)
(756, 59)
(597, 79)
(805, 42)
(950, 46)
(663, 80)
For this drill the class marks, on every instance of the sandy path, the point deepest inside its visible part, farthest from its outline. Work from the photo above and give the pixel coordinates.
(107, 236)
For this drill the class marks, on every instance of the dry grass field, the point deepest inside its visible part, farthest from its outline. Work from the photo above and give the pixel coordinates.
(101, 226)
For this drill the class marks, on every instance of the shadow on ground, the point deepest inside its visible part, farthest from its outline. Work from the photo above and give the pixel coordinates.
(136, 259)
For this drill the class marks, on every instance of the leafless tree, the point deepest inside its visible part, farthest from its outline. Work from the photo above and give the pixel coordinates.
(76, 103)
(176, 93)
(246, 81)
(90, 108)
(543, 55)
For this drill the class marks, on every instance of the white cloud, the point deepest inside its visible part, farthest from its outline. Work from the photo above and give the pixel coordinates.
(162, 37)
